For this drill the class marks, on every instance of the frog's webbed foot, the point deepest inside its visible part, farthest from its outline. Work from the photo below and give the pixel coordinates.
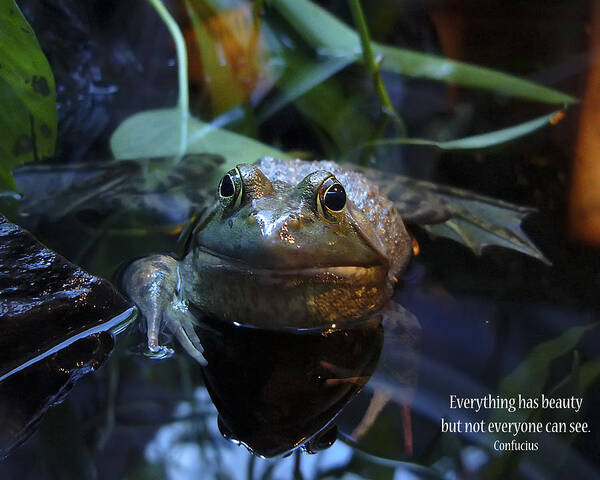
(474, 220)
(153, 283)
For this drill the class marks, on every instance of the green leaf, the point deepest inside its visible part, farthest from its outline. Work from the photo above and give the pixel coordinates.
(328, 35)
(319, 28)
(530, 377)
(154, 133)
(27, 95)
(589, 373)
(302, 75)
(421, 65)
(476, 142)
(337, 115)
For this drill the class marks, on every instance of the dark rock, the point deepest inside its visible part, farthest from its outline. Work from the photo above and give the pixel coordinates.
(56, 325)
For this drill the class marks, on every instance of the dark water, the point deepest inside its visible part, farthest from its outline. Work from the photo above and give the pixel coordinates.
(496, 324)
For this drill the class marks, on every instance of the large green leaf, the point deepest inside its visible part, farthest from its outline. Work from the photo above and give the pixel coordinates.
(328, 35)
(27, 95)
(150, 134)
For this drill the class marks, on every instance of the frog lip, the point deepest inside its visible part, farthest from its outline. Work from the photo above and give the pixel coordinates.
(239, 264)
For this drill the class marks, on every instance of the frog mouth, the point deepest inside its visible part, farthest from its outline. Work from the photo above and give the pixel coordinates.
(215, 260)
(297, 297)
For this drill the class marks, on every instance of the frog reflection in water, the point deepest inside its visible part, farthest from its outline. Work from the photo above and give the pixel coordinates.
(287, 244)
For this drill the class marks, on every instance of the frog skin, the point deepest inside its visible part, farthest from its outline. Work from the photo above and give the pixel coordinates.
(286, 244)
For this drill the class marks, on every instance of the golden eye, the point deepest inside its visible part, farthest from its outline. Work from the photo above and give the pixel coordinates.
(230, 189)
(331, 196)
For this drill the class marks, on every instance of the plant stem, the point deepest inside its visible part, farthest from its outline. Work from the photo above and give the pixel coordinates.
(182, 71)
(259, 5)
(372, 64)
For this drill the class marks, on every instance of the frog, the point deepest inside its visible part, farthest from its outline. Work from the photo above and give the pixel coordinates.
(303, 245)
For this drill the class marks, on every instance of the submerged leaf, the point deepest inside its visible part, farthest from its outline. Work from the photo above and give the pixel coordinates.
(588, 374)
(27, 95)
(328, 35)
(530, 377)
(116, 210)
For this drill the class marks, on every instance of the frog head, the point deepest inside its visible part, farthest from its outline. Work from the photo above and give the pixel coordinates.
(277, 225)
(299, 254)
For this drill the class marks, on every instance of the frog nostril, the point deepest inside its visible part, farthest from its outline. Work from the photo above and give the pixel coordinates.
(252, 217)
(294, 222)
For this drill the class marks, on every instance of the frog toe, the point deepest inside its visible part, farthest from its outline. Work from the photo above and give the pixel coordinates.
(154, 349)
(188, 339)
(160, 352)
(153, 330)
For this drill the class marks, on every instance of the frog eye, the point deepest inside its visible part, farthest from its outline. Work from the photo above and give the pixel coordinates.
(230, 188)
(331, 196)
